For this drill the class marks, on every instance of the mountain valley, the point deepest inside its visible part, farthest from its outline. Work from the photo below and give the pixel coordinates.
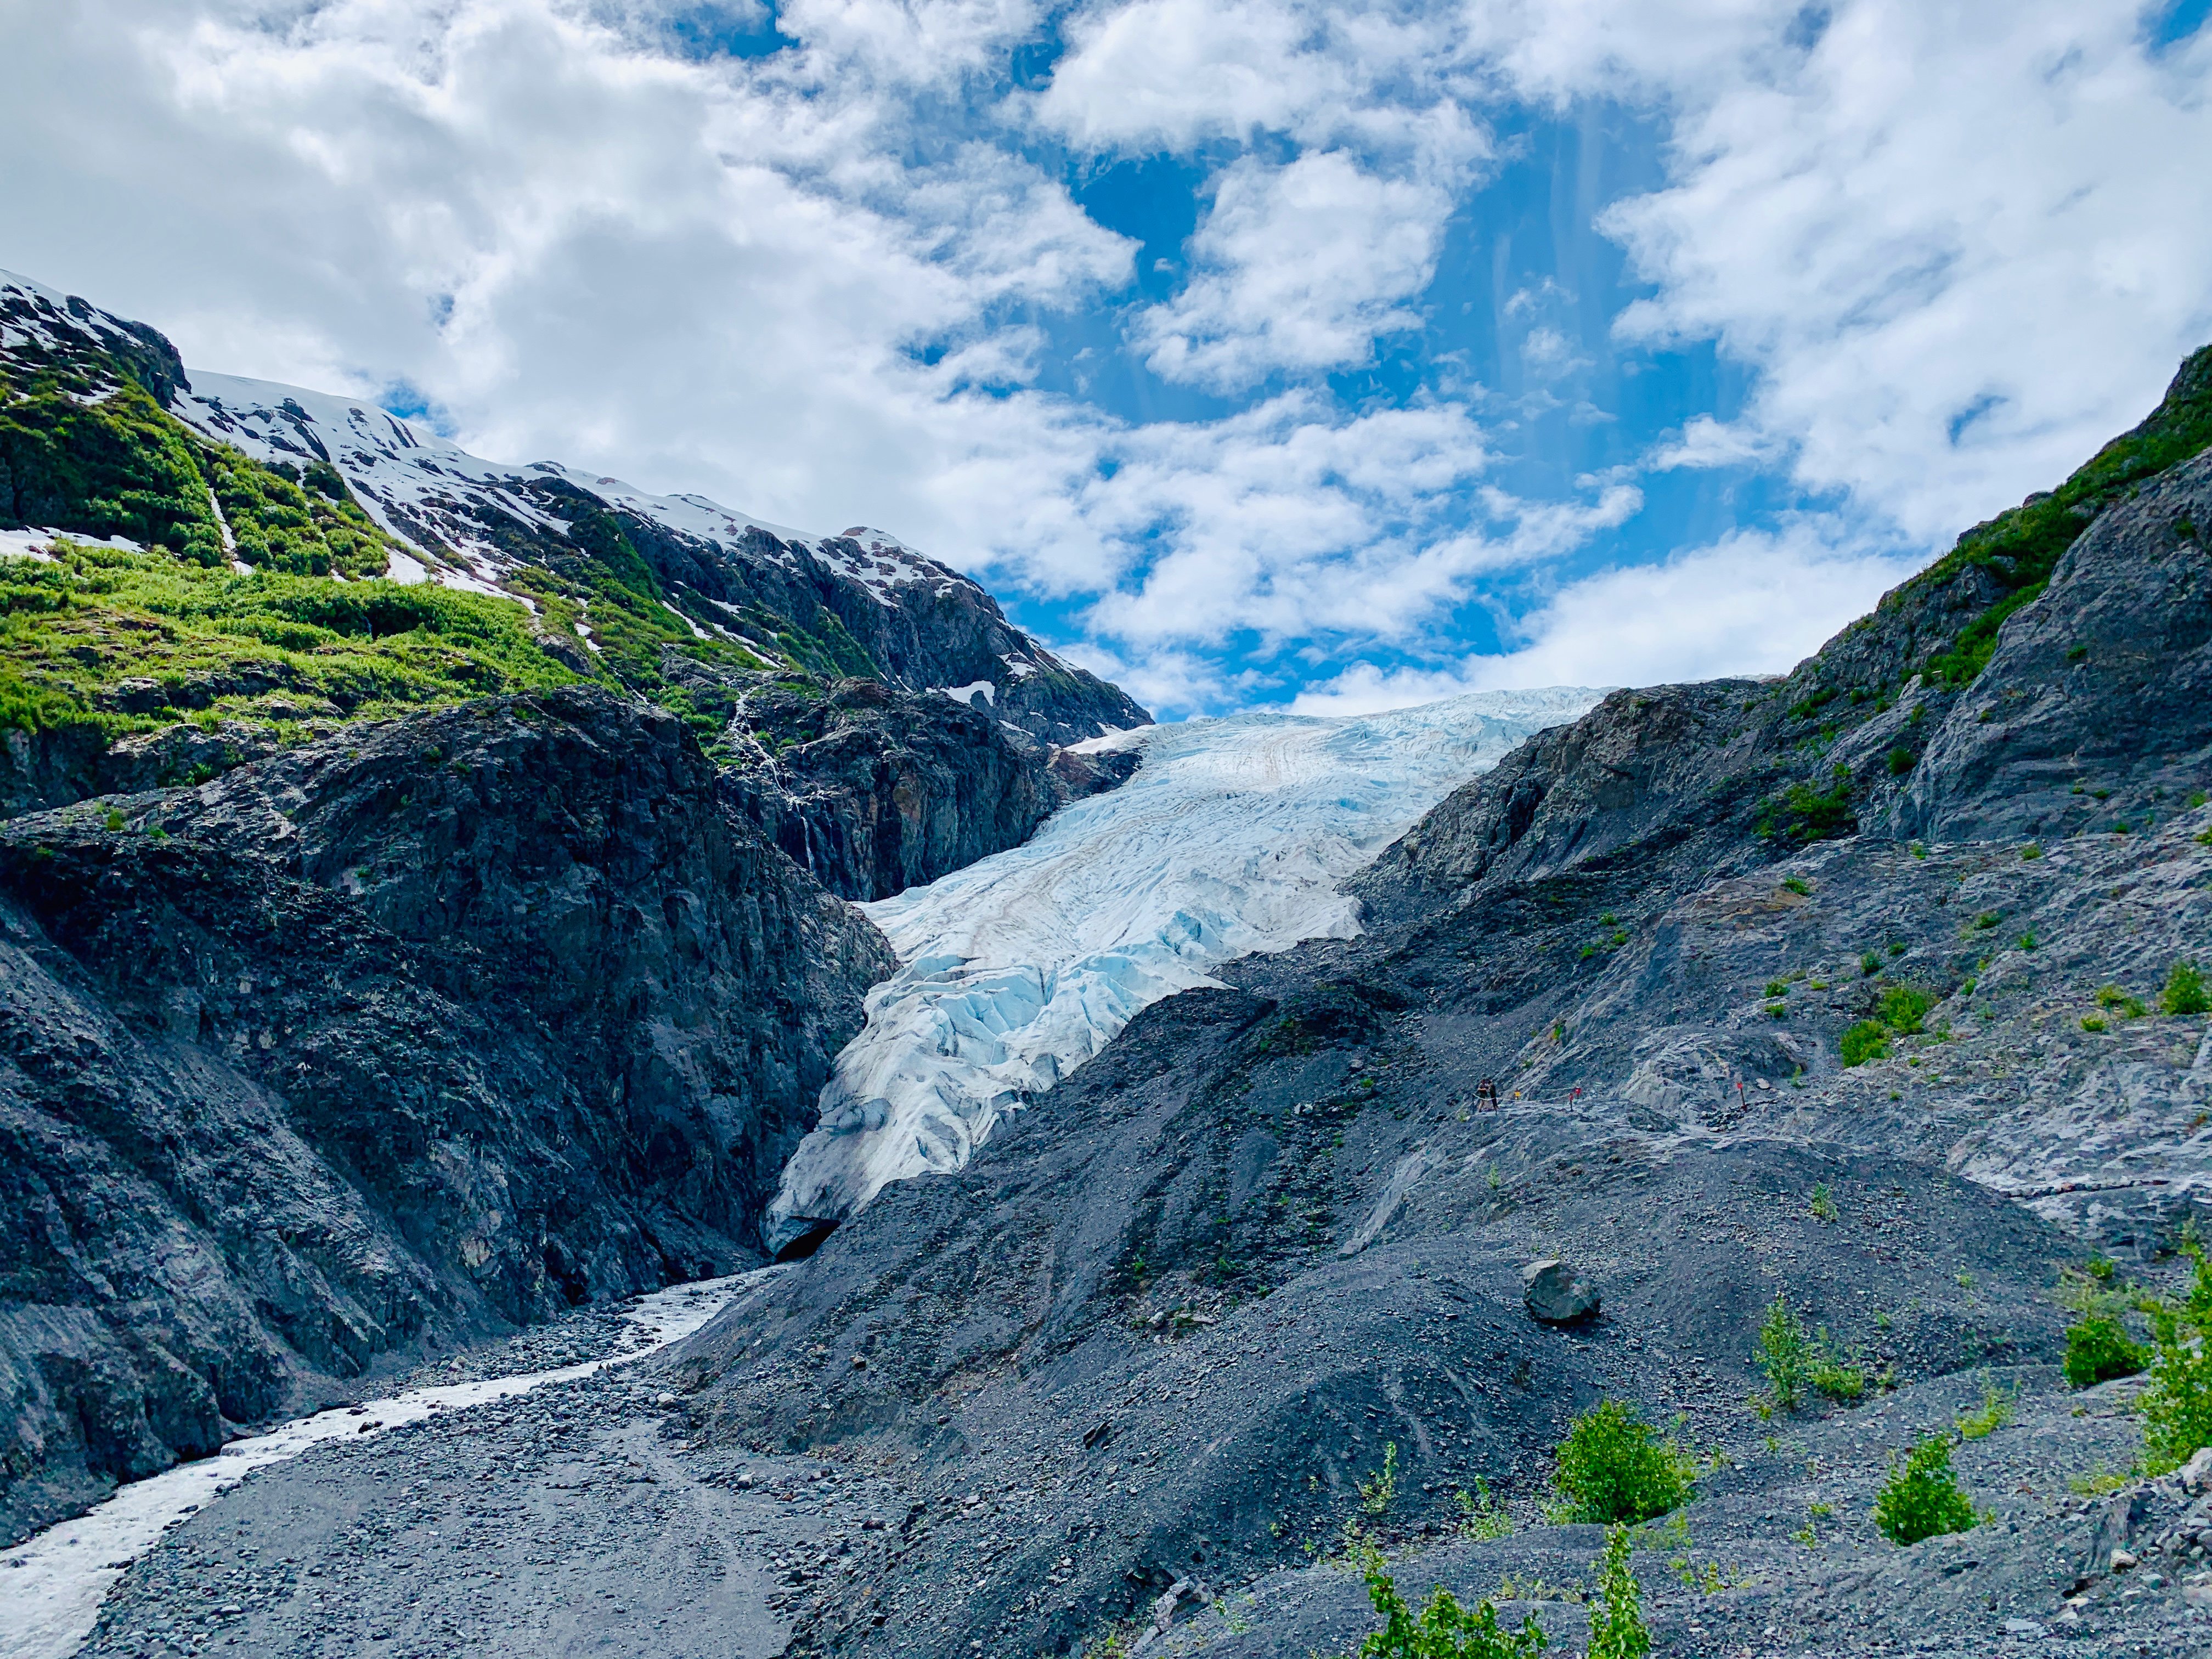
(396, 965)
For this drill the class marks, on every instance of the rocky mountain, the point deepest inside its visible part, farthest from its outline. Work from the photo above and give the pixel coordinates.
(1258, 1269)
(742, 629)
(420, 880)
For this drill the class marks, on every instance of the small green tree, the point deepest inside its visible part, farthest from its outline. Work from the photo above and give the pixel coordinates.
(1786, 1355)
(1614, 1467)
(2176, 1403)
(2099, 1349)
(2185, 990)
(1443, 1629)
(1617, 1629)
(1921, 1497)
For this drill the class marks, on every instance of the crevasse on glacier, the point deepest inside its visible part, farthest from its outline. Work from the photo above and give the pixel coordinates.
(1233, 837)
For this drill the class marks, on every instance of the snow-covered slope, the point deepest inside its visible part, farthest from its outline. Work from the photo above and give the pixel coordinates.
(435, 495)
(1231, 838)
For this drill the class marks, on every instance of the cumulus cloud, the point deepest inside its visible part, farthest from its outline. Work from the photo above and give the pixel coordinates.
(1752, 603)
(1300, 267)
(1955, 247)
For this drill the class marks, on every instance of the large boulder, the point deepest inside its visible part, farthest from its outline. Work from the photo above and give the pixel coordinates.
(1553, 1296)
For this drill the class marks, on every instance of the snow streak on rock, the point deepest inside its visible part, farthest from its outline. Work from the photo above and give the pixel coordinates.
(1231, 838)
(419, 485)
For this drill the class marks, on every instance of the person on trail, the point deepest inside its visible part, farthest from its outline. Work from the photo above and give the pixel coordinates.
(1486, 1095)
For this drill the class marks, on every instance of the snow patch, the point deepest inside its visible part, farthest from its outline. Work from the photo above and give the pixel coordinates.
(969, 693)
(1233, 836)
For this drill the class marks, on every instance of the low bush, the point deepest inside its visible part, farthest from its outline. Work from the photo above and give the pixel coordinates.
(1921, 1498)
(1443, 1629)
(1902, 1008)
(2185, 990)
(2099, 1349)
(1985, 1420)
(1868, 1040)
(1614, 1467)
(1797, 1362)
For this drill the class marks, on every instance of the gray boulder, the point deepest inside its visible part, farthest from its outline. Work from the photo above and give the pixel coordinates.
(1554, 1295)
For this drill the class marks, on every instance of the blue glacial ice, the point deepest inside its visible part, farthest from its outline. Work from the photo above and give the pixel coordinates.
(1233, 837)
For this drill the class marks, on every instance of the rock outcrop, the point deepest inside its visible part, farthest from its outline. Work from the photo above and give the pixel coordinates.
(436, 1026)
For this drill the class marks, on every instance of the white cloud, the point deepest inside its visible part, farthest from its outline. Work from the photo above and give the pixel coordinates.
(1749, 603)
(1299, 266)
(1705, 442)
(1956, 246)
(1963, 245)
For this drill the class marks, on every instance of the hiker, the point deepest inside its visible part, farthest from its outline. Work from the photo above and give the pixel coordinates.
(1486, 1095)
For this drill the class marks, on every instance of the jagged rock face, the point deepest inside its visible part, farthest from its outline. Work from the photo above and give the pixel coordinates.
(2105, 682)
(880, 790)
(440, 1024)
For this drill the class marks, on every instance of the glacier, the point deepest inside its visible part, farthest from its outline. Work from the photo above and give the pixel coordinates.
(1234, 836)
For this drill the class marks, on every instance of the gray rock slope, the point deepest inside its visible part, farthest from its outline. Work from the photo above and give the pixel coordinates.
(433, 1027)
(1158, 1333)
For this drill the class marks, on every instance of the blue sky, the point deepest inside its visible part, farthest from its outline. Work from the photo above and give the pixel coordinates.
(1256, 352)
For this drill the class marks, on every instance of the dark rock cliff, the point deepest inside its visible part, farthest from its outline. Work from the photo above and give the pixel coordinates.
(436, 1026)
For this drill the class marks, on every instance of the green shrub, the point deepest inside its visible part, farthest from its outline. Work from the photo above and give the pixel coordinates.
(1985, 1420)
(1870, 964)
(2090, 1023)
(1868, 1040)
(2185, 990)
(2110, 996)
(1443, 1629)
(1921, 1498)
(1617, 1629)
(1795, 1361)
(2176, 1404)
(1798, 885)
(2099, 1349)
(1614, 1467)
(1482, 1516)
(1900, 760)
(1902, 1008)
(2031, 851)
(1806, 814)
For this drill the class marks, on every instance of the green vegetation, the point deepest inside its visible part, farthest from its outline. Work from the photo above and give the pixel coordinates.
(1899, 760)
(1376, 1490)
(2185, 990)
(1443, 1629)
(1617, 1630)
(1798, 885)
(1985, 1420)
(1823, 1206)
(2099, 1349)
(2020, 547)
(206, 642)
(124, 466)
(1614, 1467)
(1797, 1362)
(2176, 1404)
(2118, 1001)
(1804, 813)
(2031, 852)
(1866, 1040)
(1482, 1516)
(1902, 1008)
(1921, 1498)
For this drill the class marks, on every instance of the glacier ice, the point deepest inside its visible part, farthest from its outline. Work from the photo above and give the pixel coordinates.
(1232, 837)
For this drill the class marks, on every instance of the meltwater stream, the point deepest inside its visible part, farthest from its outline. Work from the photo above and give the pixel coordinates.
(52, 1584)
(1233, 837)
